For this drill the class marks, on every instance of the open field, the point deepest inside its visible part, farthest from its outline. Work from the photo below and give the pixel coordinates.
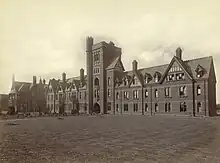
(111, 139)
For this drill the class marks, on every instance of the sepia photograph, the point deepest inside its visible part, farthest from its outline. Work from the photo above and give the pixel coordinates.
(113, 81)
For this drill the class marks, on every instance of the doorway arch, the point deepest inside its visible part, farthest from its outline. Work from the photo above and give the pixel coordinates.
(96, 108)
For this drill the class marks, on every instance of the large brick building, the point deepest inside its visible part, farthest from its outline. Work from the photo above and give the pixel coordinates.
(27, 97)
(179, 87)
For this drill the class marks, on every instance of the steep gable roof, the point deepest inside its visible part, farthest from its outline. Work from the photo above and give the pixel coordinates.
(114, 63)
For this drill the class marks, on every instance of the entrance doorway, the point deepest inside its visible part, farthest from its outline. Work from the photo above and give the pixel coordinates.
(96, 108)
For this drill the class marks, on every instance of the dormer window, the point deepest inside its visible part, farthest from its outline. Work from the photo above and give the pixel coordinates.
(147, 78)
(199, 71)
(126, 81)
(135, 81)
(156, 77)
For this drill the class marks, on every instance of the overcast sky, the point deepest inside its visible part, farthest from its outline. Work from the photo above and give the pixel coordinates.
(47, 37)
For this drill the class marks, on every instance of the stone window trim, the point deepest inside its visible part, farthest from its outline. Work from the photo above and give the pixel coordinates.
(183, 107)
(182, 91)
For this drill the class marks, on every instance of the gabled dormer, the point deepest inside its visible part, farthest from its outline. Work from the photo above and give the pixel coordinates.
(200, 71)
(157, 76)
(126, 80)
(135, 81)
(147, 78)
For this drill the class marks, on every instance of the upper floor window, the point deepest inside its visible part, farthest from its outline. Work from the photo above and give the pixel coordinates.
(182, 91)
(198, 90)
(146, 93)
(156, 93)
(117, 95)
(109, 92)
(109, 81)
(156, 79)
(167, 92)
(96, 70)
(157, 76)
(135, 94)
(96, 82)
(96, 57)
(180, 76)
(126, 95)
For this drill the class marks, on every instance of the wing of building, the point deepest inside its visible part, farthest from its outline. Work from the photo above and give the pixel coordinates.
(185, 87)
(27, 97)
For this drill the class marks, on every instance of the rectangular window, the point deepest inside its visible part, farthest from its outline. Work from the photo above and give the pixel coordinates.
(80, 95)
(167, 92)
(198, 90)
(109, 81)
(135, 107)
(182, 91)
(125, 107)
(146, 93)
(156, 93)
(126, 95)
(117, 95)
(167, 107)
(109, 106)
(117, 109)
(199, 107)
(156, 107)
(183, 107)
(109, 92)
(135, 94)
(146, 108)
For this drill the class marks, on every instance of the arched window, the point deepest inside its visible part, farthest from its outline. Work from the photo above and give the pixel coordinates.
(96, 81)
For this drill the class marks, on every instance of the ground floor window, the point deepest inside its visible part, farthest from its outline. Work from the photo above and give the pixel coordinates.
(199, 107)
(183, 107)
(146, 108)
(109, 106)
(125, 107)
(167, 107)
(135, 107)
(156, 107)
(117, 109)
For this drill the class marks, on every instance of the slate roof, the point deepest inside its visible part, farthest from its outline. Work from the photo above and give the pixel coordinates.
(189, 65)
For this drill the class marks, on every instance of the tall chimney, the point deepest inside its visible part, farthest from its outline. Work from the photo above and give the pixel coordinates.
(34, 80)
(13, 78)
(134, 65)
(179, 53)
(81, 75)
(64, 77)
(89, 66)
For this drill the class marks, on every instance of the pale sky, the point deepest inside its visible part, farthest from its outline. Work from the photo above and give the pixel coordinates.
(47, 37)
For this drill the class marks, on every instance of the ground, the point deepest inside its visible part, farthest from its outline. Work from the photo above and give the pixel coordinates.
(110, 139)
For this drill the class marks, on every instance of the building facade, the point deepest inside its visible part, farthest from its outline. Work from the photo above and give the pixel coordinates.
(180, 87)
(185, 87)
(27, 97)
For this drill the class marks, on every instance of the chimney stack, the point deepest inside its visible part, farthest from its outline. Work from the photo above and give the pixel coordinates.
(81, 75)
(34, 80)
(134, 65)
(64, 77)
(44, 81)
(179, 53)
